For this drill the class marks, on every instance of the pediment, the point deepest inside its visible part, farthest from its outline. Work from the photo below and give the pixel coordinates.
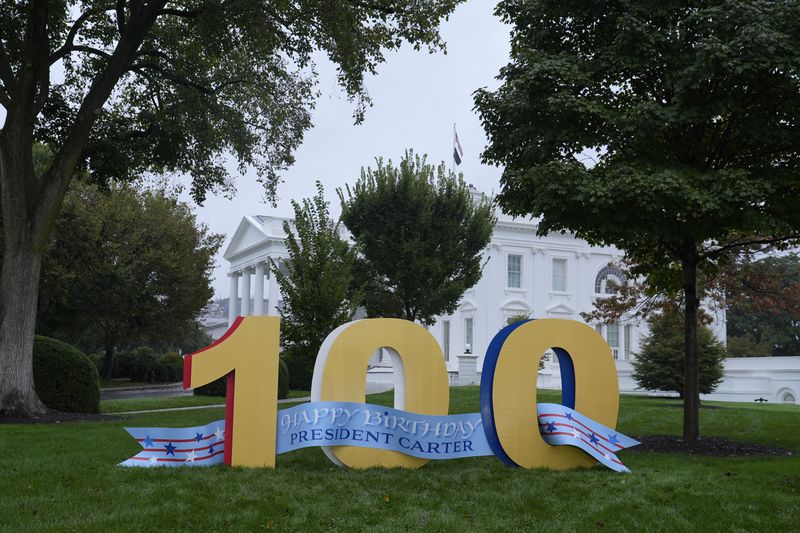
(560, 310)
(516, 307)
(248, 234)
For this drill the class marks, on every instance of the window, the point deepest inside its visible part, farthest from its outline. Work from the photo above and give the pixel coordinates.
(608, 280)
(514, 271)
(612, 337)
(628, 336)
(446, 339)
(560, 275)
(468, 335)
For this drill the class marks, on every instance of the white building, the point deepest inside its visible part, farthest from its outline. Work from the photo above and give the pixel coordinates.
(556, 276)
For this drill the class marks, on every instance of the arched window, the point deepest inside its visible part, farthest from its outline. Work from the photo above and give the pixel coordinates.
(608, 279)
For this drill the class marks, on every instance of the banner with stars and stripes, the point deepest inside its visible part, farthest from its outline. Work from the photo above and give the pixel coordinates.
(562, 426)
(197, 446)
(375, 426)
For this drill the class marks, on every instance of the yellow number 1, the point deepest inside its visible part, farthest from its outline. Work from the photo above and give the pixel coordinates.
(248, 355)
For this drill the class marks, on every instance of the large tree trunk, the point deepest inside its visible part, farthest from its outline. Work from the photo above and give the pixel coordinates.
(691, 367)
(19, 286)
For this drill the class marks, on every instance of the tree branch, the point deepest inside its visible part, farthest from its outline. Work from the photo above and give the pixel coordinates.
(120, 10)
(190, 14)
(741, 243)
(6, 74)
(68, 42)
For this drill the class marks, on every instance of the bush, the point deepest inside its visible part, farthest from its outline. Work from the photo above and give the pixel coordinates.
(174, 363)
(659, 366)
(300, 361)
(143, 362)
(219, 386)
(283, 380)
(65, 379)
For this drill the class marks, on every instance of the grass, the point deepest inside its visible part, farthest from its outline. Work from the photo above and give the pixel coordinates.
(63, 478)
(146, 404)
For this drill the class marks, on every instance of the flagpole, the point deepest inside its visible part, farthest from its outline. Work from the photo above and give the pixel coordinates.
(453, 164)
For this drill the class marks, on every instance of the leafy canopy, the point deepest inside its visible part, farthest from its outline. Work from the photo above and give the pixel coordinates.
(764, 306)
(176, 86)
(420, 235)
(125, 267)
(691, 110)
(316, 283)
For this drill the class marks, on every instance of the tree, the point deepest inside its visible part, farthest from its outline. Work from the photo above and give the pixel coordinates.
(125, 267)
(316, 284)
(763, 298)
(420, 236)
(690, 110)
(132, 86)
(659, 366)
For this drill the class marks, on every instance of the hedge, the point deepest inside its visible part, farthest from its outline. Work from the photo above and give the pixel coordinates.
(65, 379)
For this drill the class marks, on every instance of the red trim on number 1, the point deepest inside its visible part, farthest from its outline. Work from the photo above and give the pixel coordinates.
(229, 393)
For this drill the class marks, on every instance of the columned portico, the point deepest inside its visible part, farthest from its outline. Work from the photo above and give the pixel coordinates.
(258, 306)
(233, 299)
(274, 291)
(246, 291)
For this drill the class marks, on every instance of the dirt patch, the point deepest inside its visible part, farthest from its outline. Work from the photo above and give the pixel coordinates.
(55, 417)
(710, 446)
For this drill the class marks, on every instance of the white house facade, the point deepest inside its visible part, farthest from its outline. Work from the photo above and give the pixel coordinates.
(552, 276)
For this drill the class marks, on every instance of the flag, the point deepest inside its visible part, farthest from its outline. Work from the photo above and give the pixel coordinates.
(197, 446)
(458, 153)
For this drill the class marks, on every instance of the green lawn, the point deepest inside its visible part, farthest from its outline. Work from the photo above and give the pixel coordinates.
(63, 478)
(146, 404)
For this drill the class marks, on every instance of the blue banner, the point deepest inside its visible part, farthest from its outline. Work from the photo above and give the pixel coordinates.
(375, 426)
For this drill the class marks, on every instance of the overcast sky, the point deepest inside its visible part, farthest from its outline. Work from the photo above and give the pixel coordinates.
(416, 99)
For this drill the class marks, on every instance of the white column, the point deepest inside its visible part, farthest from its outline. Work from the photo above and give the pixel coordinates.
(245, 292)
(233, 299)
(258, 308)
(274, 294)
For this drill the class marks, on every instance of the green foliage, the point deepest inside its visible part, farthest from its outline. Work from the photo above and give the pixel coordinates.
(665, 128)
(174, 363)
(659, 365)
(316, 283)
(690, 106)
(66, 380)
(125, 267)
(763, 315)
(513, 319)
(163, 87)
(283, 380)
(420, 236)
(184, 93)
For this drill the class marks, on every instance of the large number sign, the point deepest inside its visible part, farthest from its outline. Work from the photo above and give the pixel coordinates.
(511, 424)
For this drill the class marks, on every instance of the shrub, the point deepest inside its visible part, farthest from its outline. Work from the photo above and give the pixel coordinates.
(659, 366)
(143, 364)
(65, 379)
(174, 363)
(219, 386)
(283, 380)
